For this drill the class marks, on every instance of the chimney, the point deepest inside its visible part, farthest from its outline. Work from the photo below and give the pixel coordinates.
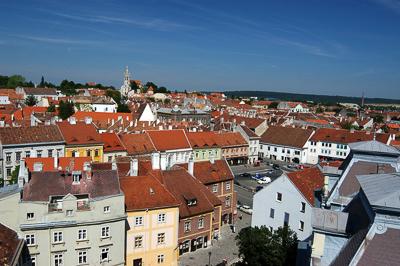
(72, 120)
(326, 186)
(155, 161)
(191, 165)
(212, 158)
(114, 165)
(38, 167)
(88, 120)
(55, 162)
(163, 162)
(22, 174)
(87, 168)
(133, 171)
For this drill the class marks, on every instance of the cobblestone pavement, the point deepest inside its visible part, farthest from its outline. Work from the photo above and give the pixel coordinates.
(224, 248)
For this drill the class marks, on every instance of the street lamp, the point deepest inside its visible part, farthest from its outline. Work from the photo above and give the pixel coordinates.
(209, 258)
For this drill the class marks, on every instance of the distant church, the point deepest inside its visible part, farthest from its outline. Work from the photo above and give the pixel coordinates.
(126, 86)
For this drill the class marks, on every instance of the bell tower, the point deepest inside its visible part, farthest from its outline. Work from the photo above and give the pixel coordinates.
(126, 86)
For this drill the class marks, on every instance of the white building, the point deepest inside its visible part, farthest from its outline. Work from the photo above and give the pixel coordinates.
(253, 140)
(285, 144)
(289, 200)
(73, 219)
(104, 104)
(4, 99)
(21, 142)
(38, 93)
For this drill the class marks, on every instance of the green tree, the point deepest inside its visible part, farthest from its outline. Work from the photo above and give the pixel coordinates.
(273, 105)
(65, 110)
(68, 87)
(379, 119)
(116, 95)
(123, 108)
(258, 246)
(30, 100)
(42, 83)
(14, 175)
(51, 108)
(319, 110)
(15, 81)
(3, 81)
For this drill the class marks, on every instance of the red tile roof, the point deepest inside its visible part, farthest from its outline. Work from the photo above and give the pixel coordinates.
(286, 136)
(42, 185)
(184, 187)
(229, 139)
(112, 142)
(209, 173)
(168, 139)
(137, 144)
(146, 192)
(79, 133)
(74, 163)
(307, 181)
(102, 116)
(36, 134)
(202, 139)
(346, 136)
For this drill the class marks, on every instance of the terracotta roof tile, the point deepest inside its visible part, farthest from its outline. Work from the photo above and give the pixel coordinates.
(137, 144)
(112, 142)
(345, 136)
(286, 136)
(36, 134)
(168, 139)
(307, 181)
(79, 133)
(73, 163)
(202, 139)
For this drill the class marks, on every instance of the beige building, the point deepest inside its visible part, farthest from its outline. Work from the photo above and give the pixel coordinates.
(68, 218)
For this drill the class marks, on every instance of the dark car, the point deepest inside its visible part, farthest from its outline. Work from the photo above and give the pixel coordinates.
(258, 188)
(276, 166)
(245, 175)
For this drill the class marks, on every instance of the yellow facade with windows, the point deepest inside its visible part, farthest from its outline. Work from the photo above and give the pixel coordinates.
(201, 155)
(93, 151)
(152, 237)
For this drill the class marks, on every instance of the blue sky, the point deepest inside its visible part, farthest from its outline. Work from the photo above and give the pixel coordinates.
(335, 47)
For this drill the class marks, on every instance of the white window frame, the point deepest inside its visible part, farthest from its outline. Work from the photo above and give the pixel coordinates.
(82, 234)
(30, 239)
(228, 185)
(58, 259)
(30, 216)
(200, 224)
(161, 239)
(139, 221)
(161, 218)
(58, 237)
(105, 232)
(82, 257)
(107, 209)
(160, 258)
(106, 251)
(303, 207)
(187, 226)
(277, 197)
(215, 188)
(301, 225)
(138, 241)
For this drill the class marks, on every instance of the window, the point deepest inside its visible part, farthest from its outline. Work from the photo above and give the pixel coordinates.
(82, 234)
(82, 257)
(49, 153)
(58, 259)
(27, 154)
(58, 152)
(139, 221)
(107, 209)
(286, 219)
(228, 201)
(8, 157)
(57, 237)
(301, 226)
(279, 196)
(272, 213)
(76, 178)
(201, 223)
(297, 152)
(30, 239)
(160, 238)
(96, 153)
(110, 158)
(105, 231)
(187, 226)
(33, 261)
(73, 154)
(88, 153)
(30, 216)
(18, 156)
(161, 218)
(39, 154)
(228, 185)
(104, 254)
(8, 171)
(69, 212)
(160, 258)
(215, 188)
(138, 241)
(275, 149)
(303, 207)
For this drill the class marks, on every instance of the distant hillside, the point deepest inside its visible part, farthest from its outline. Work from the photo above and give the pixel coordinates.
(285, 96)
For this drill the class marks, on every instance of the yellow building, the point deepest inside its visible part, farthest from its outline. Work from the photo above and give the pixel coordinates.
(153, 221)
(81, 140)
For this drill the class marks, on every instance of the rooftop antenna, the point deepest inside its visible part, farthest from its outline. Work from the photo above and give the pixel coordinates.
(362, 98)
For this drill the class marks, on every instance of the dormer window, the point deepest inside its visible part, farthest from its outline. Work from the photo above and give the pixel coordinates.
(76, 177)
(191, 202)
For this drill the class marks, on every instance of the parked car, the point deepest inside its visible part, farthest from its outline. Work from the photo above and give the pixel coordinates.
(276, 166)
(246, 209)
(245, 175)
(292, 166)
(258, 188)
(264, 180)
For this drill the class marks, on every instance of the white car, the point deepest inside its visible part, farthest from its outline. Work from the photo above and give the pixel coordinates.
(246, 209)
(264, 180)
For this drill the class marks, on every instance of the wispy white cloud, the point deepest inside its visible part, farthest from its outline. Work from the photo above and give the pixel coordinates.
(308, 48)
(155, 24)
(391, 4)
(57, 40)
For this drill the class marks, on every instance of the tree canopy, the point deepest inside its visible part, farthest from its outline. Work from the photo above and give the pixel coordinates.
(30, 100)
(273, 105)
(65, 110)
(258, 246)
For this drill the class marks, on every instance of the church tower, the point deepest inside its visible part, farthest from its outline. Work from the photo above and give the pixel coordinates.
(126, 86)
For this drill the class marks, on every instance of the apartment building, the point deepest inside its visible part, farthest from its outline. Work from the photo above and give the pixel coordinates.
(113, 147)
(205, 146)
(68, 218)
(235, 149)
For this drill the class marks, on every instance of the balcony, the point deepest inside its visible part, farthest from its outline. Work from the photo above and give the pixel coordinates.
(80, 206)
